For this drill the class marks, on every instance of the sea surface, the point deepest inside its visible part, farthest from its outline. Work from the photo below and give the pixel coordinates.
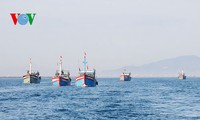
(138, 99)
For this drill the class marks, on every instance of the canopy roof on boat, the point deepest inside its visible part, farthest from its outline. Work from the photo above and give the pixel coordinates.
(88, 72)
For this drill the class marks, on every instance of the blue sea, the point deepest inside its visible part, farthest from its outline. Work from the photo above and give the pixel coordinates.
(138, 99)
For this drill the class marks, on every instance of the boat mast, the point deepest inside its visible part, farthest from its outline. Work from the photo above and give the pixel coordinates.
(30, 67)
(60, 70)
(84, 62)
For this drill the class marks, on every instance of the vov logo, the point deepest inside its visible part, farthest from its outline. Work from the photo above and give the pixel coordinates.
(23, 19)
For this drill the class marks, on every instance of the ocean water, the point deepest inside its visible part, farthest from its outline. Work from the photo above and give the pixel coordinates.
(138, 99)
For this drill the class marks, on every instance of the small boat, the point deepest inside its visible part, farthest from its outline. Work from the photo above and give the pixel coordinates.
(61, 78)
(86, 78)
(125, 76)
(182, 75)
(30, 76)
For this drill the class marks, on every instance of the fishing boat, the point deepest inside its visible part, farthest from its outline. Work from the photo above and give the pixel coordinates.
(30, 76)
(86, 78)
(61, 78)
(182, 75)
(125, 76)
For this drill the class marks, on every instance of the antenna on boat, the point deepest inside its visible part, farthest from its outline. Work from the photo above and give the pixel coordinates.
(78, 64)
(84, 62)
(60, 69)
(30, 67)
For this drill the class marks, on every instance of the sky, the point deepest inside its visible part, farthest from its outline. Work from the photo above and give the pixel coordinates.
(113, 33)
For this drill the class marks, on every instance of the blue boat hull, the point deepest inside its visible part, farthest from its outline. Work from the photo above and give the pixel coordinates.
(60, 81)
(125, 78)
(86, 81)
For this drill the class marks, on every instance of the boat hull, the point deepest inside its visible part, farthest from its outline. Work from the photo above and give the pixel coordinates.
(125, 78)
(31, 79)
(61, 81)
(182, 77)
(86, 81)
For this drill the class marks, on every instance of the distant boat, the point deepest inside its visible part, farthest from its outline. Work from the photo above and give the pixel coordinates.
(182, 75)
(61, 78)
(31, 77)
(86, 77)
(125, 76)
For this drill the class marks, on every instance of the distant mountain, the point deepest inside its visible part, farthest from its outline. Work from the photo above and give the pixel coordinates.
(190, 64)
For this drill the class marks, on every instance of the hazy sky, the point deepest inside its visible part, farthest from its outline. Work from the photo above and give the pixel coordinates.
(114, 33)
